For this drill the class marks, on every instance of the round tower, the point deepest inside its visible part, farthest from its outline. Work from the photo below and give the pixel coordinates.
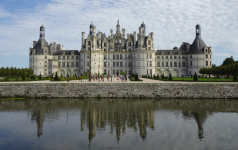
(42, 31)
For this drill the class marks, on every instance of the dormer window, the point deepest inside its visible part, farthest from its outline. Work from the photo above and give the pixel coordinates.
(162, 53)
(63, 53)
(72, 53)
(170, 52)
(148, 42)
(179, 53)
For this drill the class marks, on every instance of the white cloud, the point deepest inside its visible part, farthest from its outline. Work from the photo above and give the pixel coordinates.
(172, 22)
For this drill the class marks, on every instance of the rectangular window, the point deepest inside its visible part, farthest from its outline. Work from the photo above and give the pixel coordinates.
(129, 64)
(167, 64)
(150, 63)
(191, 63)
(105, 64)
(167, 57)
(151, 71)
(183, 57)
(206, 56)
(64, 57)
(146, 55)
(87, 56)
(129, 56)
(162, 57)
(45, 57)
(210, 56)
(158, 64)
(84, 63)
(175, 57)
(59, 57)
(63, 64)
(171, 57)
(210, 63)
(67, 57)
(162, 64)
(76, 57)
(183, 64)
(108, 56)
(206, 63)
(105, 44)
(175, 64)
(108, 64)
(125, 64)
(147, 64)
(114, 64)
(129, 43)
(120, 64)
(150, 55)
(171, 64)
(126, 56)
(148, 42)
(72, 64)
(77, 64)
(105, 57)
(59, 64)
(72, 57)
(113, 56)
(191, 56)
(158, 57)
(117, 64)
(67, 64)
(147, 71)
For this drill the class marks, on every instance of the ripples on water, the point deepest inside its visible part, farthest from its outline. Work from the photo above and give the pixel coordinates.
(118, 124)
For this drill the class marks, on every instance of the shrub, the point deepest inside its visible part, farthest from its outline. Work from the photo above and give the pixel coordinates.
(235, 77)
(136, 77)
(195, 78)
(182, 76)
(33, 77)
(24, 76)
(56, 77)
(17, 79)
(170, 77)
(62, 79)
(209, 76)
(40, 76)
(6, 79)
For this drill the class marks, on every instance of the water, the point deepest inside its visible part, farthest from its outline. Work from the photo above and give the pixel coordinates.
(118, 124)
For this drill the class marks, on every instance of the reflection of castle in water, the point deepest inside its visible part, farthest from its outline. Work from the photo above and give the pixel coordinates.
(118, 114)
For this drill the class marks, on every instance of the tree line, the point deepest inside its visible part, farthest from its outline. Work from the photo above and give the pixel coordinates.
(15, 72)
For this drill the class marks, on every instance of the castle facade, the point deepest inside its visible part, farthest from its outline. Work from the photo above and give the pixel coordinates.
(119, 52)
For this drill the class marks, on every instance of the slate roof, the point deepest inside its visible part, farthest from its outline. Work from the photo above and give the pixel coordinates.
(197, 46)
(67, 52)
(38, 46)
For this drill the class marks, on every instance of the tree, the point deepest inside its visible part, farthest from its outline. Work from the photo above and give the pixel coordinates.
(195, 78)
(86, 73)
(40, 76)
(67, 74)
(56, 77)
(228, 61)
(123, 73)
(170, 77)
(24, 76)
(235, 77)
(61, 75)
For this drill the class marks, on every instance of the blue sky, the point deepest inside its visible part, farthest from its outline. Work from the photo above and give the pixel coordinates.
(172, 22)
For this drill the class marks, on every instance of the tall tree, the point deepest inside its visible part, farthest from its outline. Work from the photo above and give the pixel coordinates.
(228, 61)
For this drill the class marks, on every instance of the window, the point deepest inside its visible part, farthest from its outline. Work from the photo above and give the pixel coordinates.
(117, 56)
(108, 56)
(59, 57)
(179, 64)
(191, 63)
(175, 57)
(190, 56)
(33, 65)
(125, 64)
(167, 64)
(171, 64)
(105, 72)
(105, 44)
(72, 57)
(129, 43)
(162, 57)
(206, 56)
(45, 65)
(171, 57)
(113, 56)
(129, 56)
(210, 56)
(120, 64)
(105, 56)
(147, 64)
(150, 71)
(146, 55)
(117, 64)
(45, 69)
(175, 64)
(63, 64)
(183, 57)
(67, 64)
(210, 63)
(45, 57)
(108, 64)
(150, 63)
(105, 64)
(76, 57)
(67, 57)
(129, 65)
(120, 56)
(150, 55)
(59, 64)
(114, 64)
(179, 57)
(105, 49)
(158, 57)
(84, 63)
(158, 64)
(167, 57)
(33, 57)
(206, 50)
(45, 61)
(63, 57)
(162, 64)
(72, 64)
(206, 63)
(148, 42)
(148, 48)
(89, 43)
(126, 56)
(77, 64)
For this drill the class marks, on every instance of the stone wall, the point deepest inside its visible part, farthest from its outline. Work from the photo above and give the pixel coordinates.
(120, 90)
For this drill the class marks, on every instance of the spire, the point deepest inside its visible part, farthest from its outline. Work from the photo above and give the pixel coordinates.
(118, 22)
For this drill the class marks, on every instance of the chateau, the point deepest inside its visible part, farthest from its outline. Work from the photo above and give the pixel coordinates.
(119, 52)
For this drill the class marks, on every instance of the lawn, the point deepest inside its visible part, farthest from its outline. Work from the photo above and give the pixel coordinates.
(199, 79)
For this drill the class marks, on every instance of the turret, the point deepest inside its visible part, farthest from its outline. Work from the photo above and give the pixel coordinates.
(83, 38)
(42, 32)
(143, 29)
(92, 30)
(118, 27)
(198, 30)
